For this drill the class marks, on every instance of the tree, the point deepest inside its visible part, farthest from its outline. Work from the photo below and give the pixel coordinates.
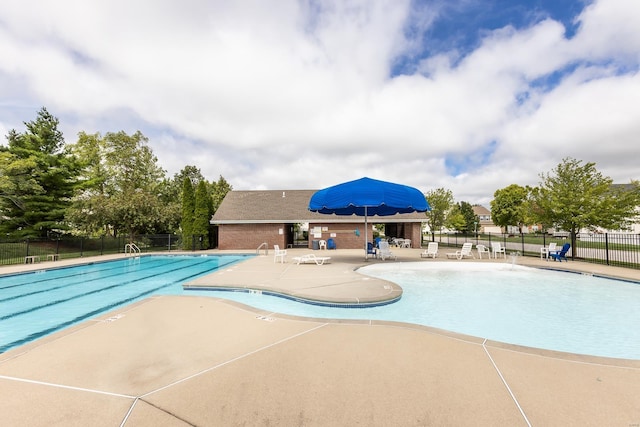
(122, 184)
(218, 191)
(455, 219)
(575, 196)
(511, 206)
(202, 213)
(188, 211)
(38, 179)
(440, 200)
(470, 218)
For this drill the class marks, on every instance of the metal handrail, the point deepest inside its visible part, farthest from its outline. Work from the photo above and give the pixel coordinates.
(131, 248)
(265, 246)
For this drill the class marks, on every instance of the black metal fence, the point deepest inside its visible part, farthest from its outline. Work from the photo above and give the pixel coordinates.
(615, 249)
(20, 251)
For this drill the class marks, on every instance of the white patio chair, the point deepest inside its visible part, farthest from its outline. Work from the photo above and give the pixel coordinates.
(482, 249)
(498, 249)
(546, 250)
(279, 253)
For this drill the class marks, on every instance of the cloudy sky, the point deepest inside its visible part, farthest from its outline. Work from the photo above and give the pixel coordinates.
(469, 95)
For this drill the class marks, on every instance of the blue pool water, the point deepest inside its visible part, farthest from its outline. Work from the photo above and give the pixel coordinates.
(36, 304)
(513, 304)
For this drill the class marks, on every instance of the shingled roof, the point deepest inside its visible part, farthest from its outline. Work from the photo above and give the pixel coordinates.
(286, 206)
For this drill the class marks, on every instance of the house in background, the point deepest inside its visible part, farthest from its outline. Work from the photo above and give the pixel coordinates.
(249, 219)
(485, 224)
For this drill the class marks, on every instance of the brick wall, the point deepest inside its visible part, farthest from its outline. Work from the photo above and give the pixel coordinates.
(343, 234)
(250, 236)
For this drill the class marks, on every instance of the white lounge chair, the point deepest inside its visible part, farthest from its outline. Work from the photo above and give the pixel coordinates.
(311, 259)
(546, 250)
(384, 252)
(279, 253)
(431, 251)
(464, 252)
(482, 249)
(498, 249)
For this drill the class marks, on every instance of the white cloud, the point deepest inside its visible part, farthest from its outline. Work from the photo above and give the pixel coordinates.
(296, 94)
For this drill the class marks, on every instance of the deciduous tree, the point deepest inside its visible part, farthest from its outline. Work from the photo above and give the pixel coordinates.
(575, 196)
(440, 200)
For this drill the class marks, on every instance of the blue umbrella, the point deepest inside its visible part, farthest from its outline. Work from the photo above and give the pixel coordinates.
(366, 196)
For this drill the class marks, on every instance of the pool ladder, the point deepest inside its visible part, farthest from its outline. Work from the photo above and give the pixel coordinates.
(131, 249)
(264, 246)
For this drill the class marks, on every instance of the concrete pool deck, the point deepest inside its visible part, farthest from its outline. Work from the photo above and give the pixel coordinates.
(190, 360)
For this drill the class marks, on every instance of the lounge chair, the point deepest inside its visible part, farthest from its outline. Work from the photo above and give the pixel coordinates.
(384, 252)
(498, 249)
(482, 249)
(279, 253)
(311, 259)
(561, 254)
(546, 250)
(431, 251)
(464, 252)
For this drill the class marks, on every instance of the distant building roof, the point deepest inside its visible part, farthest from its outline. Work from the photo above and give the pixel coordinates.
(481, 210)
(286, 206)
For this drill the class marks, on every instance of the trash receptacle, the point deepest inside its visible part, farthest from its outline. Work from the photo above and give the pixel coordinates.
(315, 244)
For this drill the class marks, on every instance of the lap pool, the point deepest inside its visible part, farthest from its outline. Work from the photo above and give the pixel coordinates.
(514, 304)
(38, 303)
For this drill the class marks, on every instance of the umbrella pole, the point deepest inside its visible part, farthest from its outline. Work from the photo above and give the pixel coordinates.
(366, 239)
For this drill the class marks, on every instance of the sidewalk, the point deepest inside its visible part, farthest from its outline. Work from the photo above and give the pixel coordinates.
(187, 360)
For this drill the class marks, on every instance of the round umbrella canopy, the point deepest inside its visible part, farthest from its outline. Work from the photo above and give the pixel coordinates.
(366, 196)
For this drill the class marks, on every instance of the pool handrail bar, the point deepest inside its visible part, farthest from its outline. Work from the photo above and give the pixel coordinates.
(265, 246)
(131, 248)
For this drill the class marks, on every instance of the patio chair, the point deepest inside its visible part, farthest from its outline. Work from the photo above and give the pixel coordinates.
(497, 248)
(322, 244)
(546, 250)
(464, 252)
(561, 254)
(384, 252)
(371, 251)
(482, 249)
(431, 251)
(279, 253)
(311, 259)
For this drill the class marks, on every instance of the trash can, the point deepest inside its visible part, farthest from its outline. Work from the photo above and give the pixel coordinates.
(315, 244)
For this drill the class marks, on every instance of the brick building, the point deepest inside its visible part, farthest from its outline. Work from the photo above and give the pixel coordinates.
(247, 219)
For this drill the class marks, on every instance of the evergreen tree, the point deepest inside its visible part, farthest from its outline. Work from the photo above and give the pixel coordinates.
(202, 214)
(38, 179)
(188, 212)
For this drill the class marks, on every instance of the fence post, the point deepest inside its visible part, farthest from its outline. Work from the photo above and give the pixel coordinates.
(81, 245)
(522, 239)
(606, 247)
(27, 247)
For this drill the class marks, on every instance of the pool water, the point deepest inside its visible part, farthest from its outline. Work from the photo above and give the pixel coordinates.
(514, 304)
(36, 304)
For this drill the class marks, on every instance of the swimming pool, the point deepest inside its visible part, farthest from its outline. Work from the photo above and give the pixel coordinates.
(514, 304)
(38, 303)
